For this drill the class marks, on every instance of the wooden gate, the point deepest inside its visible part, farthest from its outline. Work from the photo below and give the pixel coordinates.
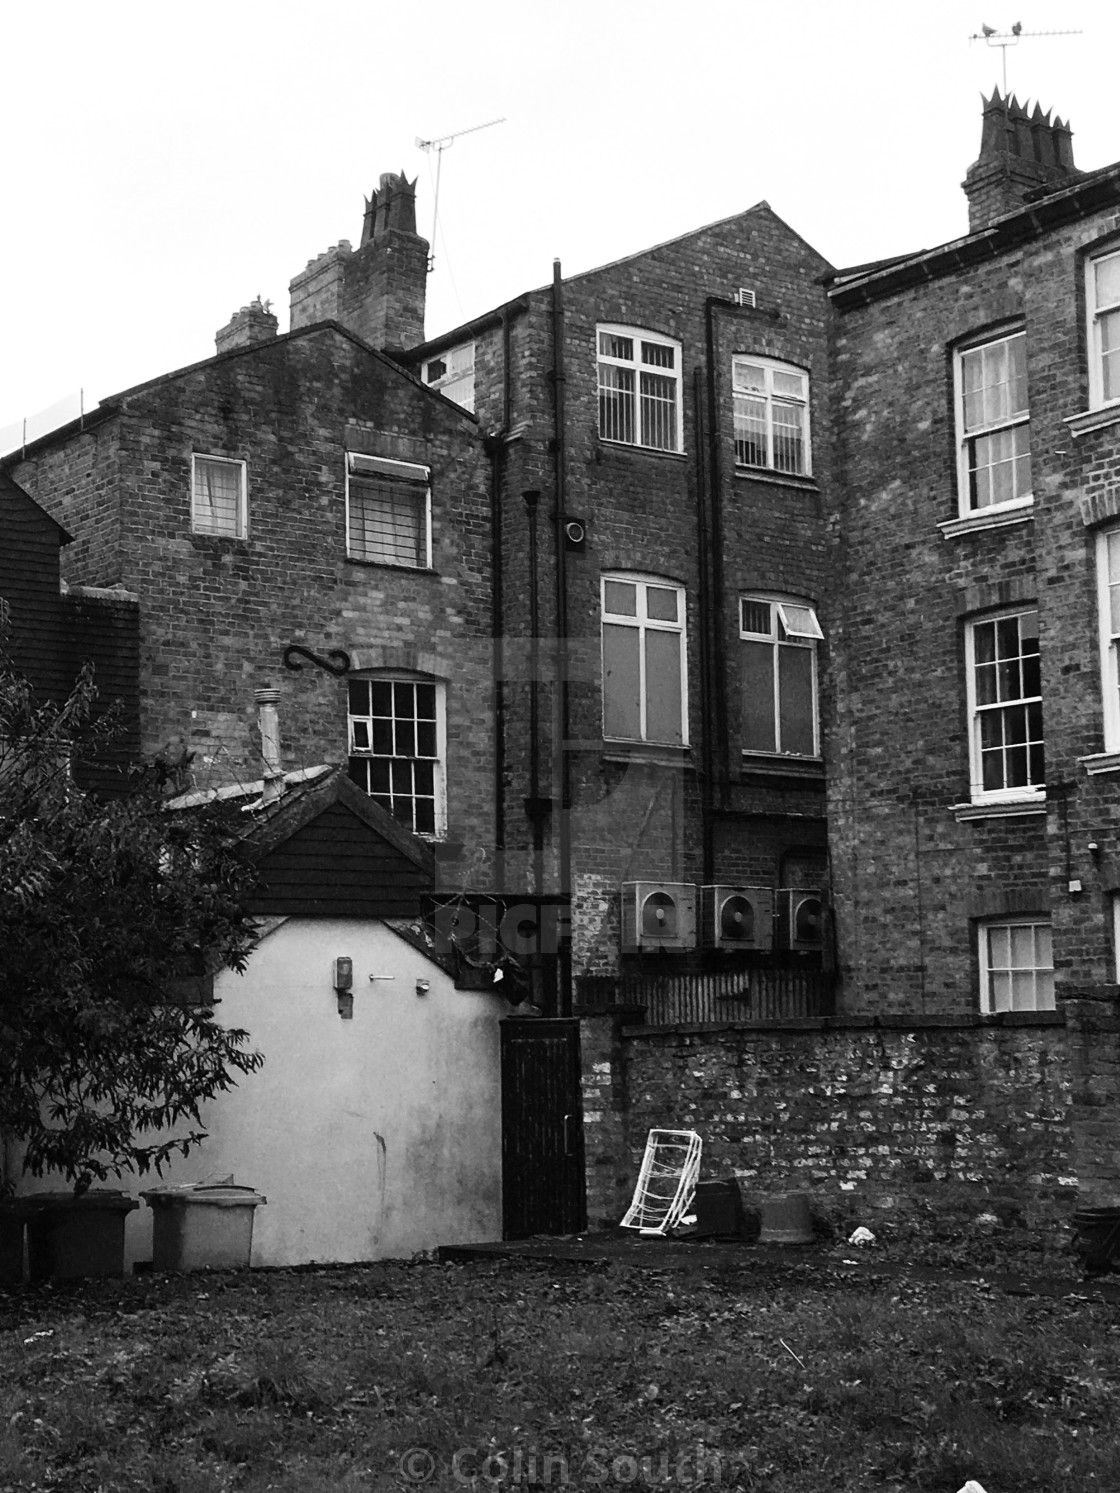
(542, 1128)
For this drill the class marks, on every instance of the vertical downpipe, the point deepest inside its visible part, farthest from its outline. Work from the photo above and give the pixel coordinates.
(532, 499)
(715, 486)
(496, 447)
(561, 761)
(703, 545)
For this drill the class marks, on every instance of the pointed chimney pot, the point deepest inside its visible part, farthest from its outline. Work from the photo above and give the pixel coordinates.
(1023, 155)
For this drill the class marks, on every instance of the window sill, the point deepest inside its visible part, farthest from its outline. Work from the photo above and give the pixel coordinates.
(390, 565)
(1090, 420)
(210, 536)
(806, 769)
(802, 481)
(1004, 517)
(640, 752)
(632, 448)
(1100, 763)
(1000, 808)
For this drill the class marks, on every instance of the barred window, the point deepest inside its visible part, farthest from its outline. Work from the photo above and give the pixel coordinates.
(388, 511)
(218, 504)
(771, 412)
(639, 389)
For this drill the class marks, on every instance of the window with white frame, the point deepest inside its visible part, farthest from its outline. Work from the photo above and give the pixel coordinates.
(388, 511)
(218, 500)
(644, 681)
(452, 373)
(1016, 965)
(1108, 600)
(1103, 287)
(779, 648)
(639, 389)
(993, 424)
(1005, 707)
(397, 747)
(771, 412)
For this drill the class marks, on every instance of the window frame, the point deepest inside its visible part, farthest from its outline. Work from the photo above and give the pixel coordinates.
(987, 968)
(358, 754)
(807, 638)
(451, 375)
(241, 529)
(770, 367)
(1017, 793)
(1108, 637)
(1094, 315)
(965, 435)
(644, 624)
(638, 336)
(407, 473)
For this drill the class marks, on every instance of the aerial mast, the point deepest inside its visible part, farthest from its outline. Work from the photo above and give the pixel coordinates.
(1005, 39)
(439, 146)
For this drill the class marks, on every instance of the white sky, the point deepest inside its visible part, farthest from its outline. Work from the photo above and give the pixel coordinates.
(162, 165)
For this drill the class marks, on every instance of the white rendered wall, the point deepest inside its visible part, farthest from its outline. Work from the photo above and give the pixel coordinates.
(371, 1138)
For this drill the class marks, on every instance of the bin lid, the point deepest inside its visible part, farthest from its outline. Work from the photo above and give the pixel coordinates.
(106, 1199)
(216, 1194)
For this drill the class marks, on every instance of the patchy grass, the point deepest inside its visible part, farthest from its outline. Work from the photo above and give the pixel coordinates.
(788, 1379)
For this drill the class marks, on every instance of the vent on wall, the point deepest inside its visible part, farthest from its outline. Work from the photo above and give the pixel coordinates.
(801, 919)
(658, 915)
(737, 917)
(745, 296)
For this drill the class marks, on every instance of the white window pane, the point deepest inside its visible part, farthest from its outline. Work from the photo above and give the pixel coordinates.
(999, 988)
(616, 403)
(757, 617)
(1022, 990)
(1106, 274)
(749, 377)
(799, 621)
(999, 945)
(622, 708)
(663, 687)
(613, 346)
(620, 598)
(388, 521)
(658, 355)
(750, 431)
(662, 604)
(1022, 947)
(790, 385)
(659, 412)
(216, 506)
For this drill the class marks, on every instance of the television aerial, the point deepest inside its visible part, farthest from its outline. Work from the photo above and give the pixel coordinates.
(439, 146)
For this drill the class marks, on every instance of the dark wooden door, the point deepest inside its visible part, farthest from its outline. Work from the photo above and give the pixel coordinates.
(542, 1128)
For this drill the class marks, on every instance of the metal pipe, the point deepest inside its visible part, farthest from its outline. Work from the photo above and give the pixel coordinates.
(702, 496)
(715, 483)
(561, 773)
(532, 499)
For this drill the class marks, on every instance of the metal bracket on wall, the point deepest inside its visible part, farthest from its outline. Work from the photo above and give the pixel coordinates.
(318, 659)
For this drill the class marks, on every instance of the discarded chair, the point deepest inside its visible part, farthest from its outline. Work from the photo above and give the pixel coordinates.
(666, 1182)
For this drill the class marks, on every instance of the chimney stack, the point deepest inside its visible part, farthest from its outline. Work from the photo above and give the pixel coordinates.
(378, 290)
(1021, 156)
(254, 323)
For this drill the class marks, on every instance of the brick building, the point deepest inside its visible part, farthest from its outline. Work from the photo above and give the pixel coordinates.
(758, 608)
(302, 491)
(662, 445)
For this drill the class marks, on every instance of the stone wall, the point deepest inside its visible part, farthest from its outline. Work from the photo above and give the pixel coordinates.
(881, 1123)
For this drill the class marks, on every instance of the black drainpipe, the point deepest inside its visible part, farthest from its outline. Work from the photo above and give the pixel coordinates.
(561, 773)
(533, 804)
(715, 485)
(495, 446)
(702, 502)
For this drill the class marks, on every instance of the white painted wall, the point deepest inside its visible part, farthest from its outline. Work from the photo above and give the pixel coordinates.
(371, 1138)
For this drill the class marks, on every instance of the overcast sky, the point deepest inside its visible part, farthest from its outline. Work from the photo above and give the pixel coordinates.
(162, 165)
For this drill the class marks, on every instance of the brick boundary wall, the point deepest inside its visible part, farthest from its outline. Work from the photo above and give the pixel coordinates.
(930, 1122)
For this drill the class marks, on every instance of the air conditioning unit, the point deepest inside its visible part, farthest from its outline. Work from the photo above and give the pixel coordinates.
(658, 915)
(745, 296)
(801, 919)
(737, 917)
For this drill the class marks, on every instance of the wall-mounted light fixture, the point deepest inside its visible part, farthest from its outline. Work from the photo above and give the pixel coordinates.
(343, 979)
